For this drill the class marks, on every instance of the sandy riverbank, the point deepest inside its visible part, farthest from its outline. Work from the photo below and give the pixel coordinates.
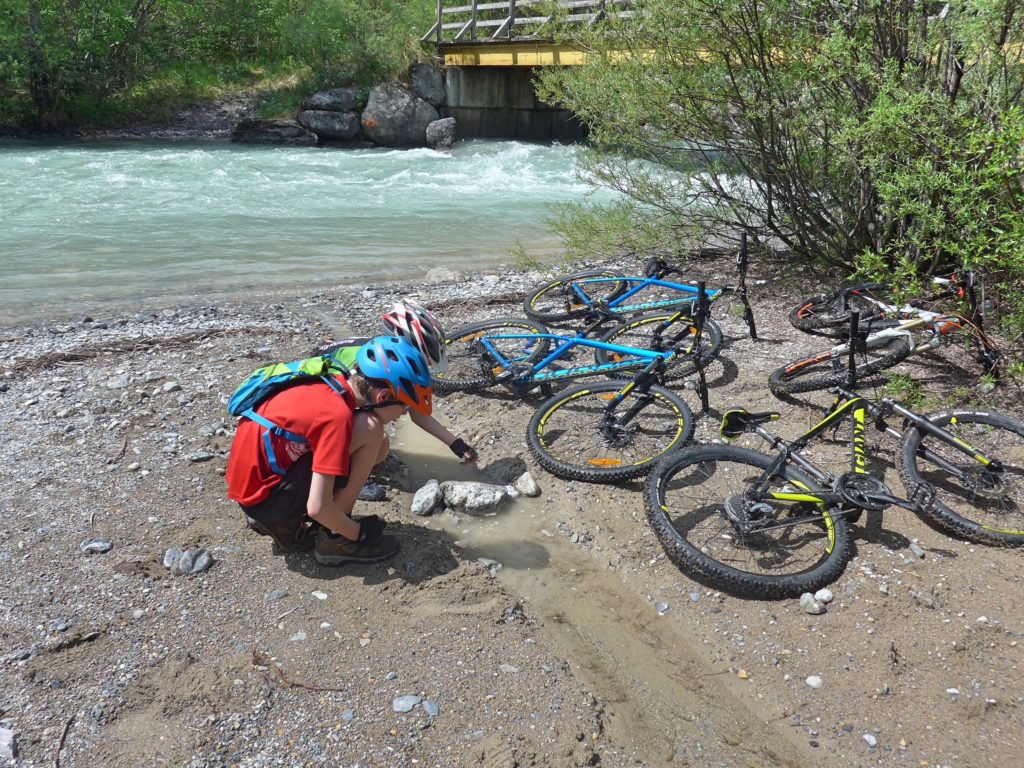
(115, 430)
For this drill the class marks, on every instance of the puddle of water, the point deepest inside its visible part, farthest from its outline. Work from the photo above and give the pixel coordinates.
(663, 700)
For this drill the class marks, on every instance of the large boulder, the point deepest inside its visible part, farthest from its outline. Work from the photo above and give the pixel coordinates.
(441, 133)
(330, 125)
(428, 83)
(284, 132)
(396, 117)
(336, 100)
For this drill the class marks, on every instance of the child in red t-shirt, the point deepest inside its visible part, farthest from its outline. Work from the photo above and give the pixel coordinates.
(343, 434)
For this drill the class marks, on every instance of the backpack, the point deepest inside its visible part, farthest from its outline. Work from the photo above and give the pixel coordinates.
(271, 379)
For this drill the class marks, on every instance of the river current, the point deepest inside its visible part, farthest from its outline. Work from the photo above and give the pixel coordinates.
(123, 223)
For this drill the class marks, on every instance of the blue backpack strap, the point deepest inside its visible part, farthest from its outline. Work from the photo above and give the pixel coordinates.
(268, 445)
(334, 384)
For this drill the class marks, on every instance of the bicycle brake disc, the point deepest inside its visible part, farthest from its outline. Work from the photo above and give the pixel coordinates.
(862, 491)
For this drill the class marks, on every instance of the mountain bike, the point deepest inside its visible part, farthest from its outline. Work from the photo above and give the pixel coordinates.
(579, 294)
(518, 353)
(874, 352)
(829, 313)
(774, 526)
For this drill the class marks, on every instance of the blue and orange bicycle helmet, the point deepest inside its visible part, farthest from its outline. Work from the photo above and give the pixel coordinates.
(395, 364)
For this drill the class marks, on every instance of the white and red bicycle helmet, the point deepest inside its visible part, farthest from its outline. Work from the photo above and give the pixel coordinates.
(410, 321)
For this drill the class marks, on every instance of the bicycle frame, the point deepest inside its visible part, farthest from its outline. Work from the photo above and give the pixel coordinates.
(538, 373)
(935, 324)
(618, 305)
(658, 268)
(851, 405)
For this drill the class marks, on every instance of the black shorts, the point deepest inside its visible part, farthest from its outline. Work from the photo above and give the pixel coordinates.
(288, 499)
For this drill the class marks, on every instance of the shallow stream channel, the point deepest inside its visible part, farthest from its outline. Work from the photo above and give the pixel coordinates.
(661, 695)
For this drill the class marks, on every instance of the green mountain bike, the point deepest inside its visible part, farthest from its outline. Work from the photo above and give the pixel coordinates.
(773, 526)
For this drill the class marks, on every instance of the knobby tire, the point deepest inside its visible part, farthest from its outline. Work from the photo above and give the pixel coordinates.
(565, 436)
(824, 314)
(982, 505)
(466, 370)
(685, 498)
(823, 371)
(556, 301)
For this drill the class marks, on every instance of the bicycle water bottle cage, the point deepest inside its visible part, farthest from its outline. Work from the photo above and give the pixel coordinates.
(863, 491)
(738, 421)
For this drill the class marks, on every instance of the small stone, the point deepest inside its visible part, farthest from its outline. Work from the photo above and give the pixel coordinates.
(814, 681)
(8, 743)
(824, 595)
(171, 386)
(347, 714)
(661, 608)
(134, 466)
(95, 546)
(509, 668)
(138, 613)
(953, 692)
(526, 485)
(364, 641)
(810, 605)
(694, 597)
(871, 740)
(171, 557)
(185, 562)
(405, 703)
(298, 637)
(430, 708)
(372, 492)
(200, 456)
(203, 560)
(391, 676)
(319, 595)
(742, 674)
(917, 550)
(118, 382)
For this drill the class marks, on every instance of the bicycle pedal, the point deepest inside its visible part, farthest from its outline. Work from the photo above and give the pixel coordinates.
(923, 496)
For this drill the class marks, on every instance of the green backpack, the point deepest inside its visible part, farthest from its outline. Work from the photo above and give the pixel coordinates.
(270, 380)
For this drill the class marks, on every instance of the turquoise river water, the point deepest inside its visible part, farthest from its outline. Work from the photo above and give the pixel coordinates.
(89, 223)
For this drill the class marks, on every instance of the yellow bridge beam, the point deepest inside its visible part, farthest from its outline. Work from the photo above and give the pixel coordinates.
(516, 54)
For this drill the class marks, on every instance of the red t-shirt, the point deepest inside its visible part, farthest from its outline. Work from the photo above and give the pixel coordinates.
(313, 410)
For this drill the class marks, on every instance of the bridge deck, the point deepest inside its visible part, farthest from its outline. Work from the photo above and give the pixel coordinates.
(514, 33)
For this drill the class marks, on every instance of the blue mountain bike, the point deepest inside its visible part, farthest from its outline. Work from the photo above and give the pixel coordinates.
(581, 294)
(603, 432)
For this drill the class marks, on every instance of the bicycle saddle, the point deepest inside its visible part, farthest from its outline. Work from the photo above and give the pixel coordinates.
(737, 421)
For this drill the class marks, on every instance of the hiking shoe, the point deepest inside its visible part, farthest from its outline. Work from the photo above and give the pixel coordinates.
(290, 536)
(372, 492)
(337, 550)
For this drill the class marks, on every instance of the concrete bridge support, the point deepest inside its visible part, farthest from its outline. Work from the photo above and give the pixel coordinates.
(499, 102)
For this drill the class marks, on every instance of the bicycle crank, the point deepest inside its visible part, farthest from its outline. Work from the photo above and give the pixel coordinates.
(863, 491)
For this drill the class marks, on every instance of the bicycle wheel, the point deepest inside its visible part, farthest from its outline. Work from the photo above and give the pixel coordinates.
(639, 333)
(568, 437)
(689, 498)
(972, 501)
(825, 369)
(470, 370)
(559, 300)
(826, 314)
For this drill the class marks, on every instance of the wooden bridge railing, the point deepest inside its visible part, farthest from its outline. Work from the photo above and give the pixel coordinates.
(515, 19)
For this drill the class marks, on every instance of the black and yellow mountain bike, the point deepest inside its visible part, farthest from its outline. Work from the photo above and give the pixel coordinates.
(773, 526)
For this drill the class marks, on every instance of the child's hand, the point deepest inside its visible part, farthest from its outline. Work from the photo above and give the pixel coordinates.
(467, 454)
